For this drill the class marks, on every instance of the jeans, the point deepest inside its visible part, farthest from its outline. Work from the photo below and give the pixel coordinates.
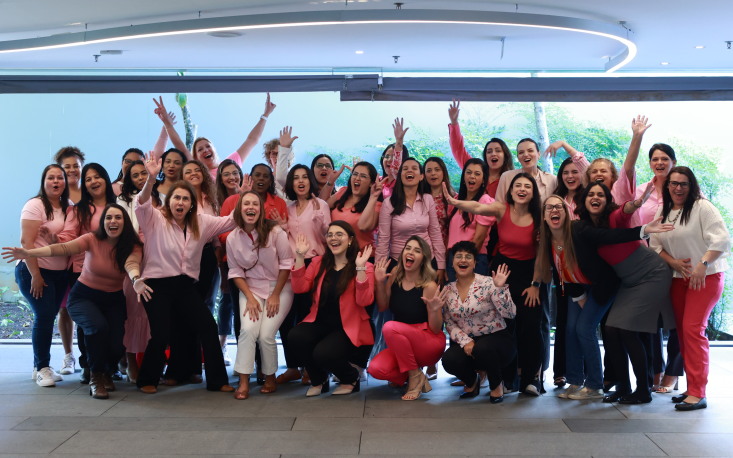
(102, 317)
(45, 309)
(582, 348)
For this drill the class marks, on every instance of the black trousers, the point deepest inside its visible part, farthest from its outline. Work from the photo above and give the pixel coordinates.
(626, 345)
(561, 323)
(322, 350)
(175, 299)
(298, 311)
(491, 353)
(80, 340)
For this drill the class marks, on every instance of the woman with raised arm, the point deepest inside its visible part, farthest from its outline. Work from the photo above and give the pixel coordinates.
(496, 153)
(259, 261)
(696, 252)
(475, 313)
(308, 216)
(467, 226)
(518, 223)
(203, 150)
(358, 203)
(528, 154)
(436, 173)
(342, 284)
(174, 239)
(172, 171)
(415, 336)
(43, 282)
(96, 302)
(393, 156)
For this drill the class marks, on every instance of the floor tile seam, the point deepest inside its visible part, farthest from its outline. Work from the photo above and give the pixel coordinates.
(63, 442)
(655, 443)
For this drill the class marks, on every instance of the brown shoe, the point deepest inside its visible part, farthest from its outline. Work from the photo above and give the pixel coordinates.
(109, 384)
(170, 382)
(226, 389)
(289, 375)
(149, 389)
(270, 385)
(196, 378)
(96, 386)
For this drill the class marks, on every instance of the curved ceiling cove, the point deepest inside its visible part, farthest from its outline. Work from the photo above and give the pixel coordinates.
(615, 33)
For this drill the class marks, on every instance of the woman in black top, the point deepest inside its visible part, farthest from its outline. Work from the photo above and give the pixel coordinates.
(415, 337)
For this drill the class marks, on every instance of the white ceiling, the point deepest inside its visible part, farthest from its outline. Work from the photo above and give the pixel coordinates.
(663, 31)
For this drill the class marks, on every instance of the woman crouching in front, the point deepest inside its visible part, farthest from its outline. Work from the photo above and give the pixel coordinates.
(342, 282)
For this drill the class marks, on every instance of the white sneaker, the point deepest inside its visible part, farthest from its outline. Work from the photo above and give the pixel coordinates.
(227, 359)
(45, 378)
(570, 390)
(586, 393)
(69, 366)
(55, 375)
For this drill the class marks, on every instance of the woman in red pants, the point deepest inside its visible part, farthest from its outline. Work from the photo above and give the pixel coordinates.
(695, 250)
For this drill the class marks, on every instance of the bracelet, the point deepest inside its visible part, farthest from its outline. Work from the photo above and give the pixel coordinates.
(299, 253)
(360, 269)
(135, 278)
(263, 117)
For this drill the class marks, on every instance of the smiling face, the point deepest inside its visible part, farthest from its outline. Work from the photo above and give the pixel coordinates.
(595, 201)
(522, 191)
(322, 168)
(527, 154)
(494, 156)
(205, 152)
(571, 177)
(172, 166)
(193, 174)
(95, 184)
(600, 171)
(661, 164)
(231, 178)
(139, 175)
(412, 256)
(250, 209)
(54, 183)
(433, 174)
(387, 158)
(337, 240)
(114, 222)
(301, 183)
(679, 189)
(180, 204)
(410, 174)
(554, 213)
(72, 166)
(261, 179)
(272, 155)
(360, 181)
(464, 263)
(473, 177)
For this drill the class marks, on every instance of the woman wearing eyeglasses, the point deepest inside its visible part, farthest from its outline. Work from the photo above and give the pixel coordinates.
(696, 252)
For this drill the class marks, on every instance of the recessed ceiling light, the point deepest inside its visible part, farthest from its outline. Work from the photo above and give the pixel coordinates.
(699, 47)
(605, 57)
(225, 34)
(359, 52)
(73, 23)
(664, 63)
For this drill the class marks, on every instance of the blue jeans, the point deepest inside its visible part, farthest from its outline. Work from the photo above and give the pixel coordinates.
(45, 309)
(482, 266)
(582, 343)
(102, 317)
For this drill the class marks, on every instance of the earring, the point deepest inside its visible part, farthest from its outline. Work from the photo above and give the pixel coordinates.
(349, 243)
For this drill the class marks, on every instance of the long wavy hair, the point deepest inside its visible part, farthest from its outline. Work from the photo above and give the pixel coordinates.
(85, 208)
(427, 273)
(692, 196)
(64, 199)
(263, 226)
(508, 159)
(328, 261)
(463, 189)
(562, 190)
(128, 187)
(425, 186)
(221, 191)
(362, 203)
(208, 190)
(161, 176)
(126, 242)
(534, 203)
(603, 218)
(191, 218)
(544, 251)
(290, 189)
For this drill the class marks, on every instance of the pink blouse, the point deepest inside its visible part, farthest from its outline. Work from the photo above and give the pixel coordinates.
(456, 232)
(311, 223)
(74, 230)
(100, 269)
(420, 219)
(261, 266)
(33, 211)
(483, 312)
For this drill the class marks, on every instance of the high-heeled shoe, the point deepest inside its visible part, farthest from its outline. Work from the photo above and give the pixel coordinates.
(347, 388)
(418, 383)
(241, 395)
(474, 391)
(317, 390)
(666, 389)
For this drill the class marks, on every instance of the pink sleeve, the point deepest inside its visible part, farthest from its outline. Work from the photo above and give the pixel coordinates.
(365, 289)
(394, 167)
(236, 158)
(485, 220)
(71, 226)
(385, 230)
(85, 241)
(33, 210)
(456, 144)
(302, 279)
(581, 162)
(501, 188)
(282, 247)
(624, 190)
(436, 237)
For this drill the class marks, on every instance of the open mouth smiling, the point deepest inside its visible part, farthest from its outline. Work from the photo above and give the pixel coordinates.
(409, 260)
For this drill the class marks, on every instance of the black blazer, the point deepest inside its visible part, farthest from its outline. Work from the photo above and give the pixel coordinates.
(586, 240)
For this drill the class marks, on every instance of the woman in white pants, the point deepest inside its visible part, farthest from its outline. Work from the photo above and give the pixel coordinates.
(260, 260)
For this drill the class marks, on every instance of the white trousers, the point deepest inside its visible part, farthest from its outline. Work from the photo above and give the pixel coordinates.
(261, 331)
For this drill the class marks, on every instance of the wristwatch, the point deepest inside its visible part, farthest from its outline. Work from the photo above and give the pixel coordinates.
(536, 284)
(705, 263)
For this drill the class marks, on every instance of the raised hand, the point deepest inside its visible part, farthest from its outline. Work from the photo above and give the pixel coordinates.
(376, 187)
(551, 150)
(334, 174)
(500, 275)
(448, 197)
(269, 106)
(162, 112)
(277, 217)
(301, 245)
(153, 165)
(436, 303)
(143, 291)
(656, 227)
(639, 125)
(246, 183)
(14, 253)
(363, 256)
(399, 130)
(454, 110)
(286, 137)
(380, 270)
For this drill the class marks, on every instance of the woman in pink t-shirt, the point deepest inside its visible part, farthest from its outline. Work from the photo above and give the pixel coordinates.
(96, 301)
(358, 203)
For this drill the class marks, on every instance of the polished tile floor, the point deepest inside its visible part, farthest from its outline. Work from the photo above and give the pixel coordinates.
(188, 420)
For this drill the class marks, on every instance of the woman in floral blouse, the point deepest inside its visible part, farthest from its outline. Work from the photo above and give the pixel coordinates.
(474, 313)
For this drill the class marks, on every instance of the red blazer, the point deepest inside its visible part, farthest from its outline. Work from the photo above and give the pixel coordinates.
(352, 302)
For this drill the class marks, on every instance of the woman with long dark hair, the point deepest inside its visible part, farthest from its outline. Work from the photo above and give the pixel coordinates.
(172, 171)
(342, 283)
(436, 173)
(128, 157)
(358, 203)
(696, 252)
(96, 302)
(528, 154)
(393, 156)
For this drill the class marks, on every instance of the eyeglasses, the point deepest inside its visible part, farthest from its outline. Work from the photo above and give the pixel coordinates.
(127, 161)
(229, 174)
(363, 176)
(550, 207)
(463, 257)
(335, 235)
(323, 166)
(679, 184)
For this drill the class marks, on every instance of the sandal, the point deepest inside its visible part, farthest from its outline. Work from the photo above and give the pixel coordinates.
(241, 395)
(270, 386)
(666, 389)
(422, 385)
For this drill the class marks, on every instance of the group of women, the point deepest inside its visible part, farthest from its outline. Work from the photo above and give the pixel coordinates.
(368, 276)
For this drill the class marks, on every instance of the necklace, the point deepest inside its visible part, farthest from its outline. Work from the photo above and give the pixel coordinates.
(558, 246)
(672, 221)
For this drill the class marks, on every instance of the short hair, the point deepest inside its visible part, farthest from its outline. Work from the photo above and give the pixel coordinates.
(68, 151)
